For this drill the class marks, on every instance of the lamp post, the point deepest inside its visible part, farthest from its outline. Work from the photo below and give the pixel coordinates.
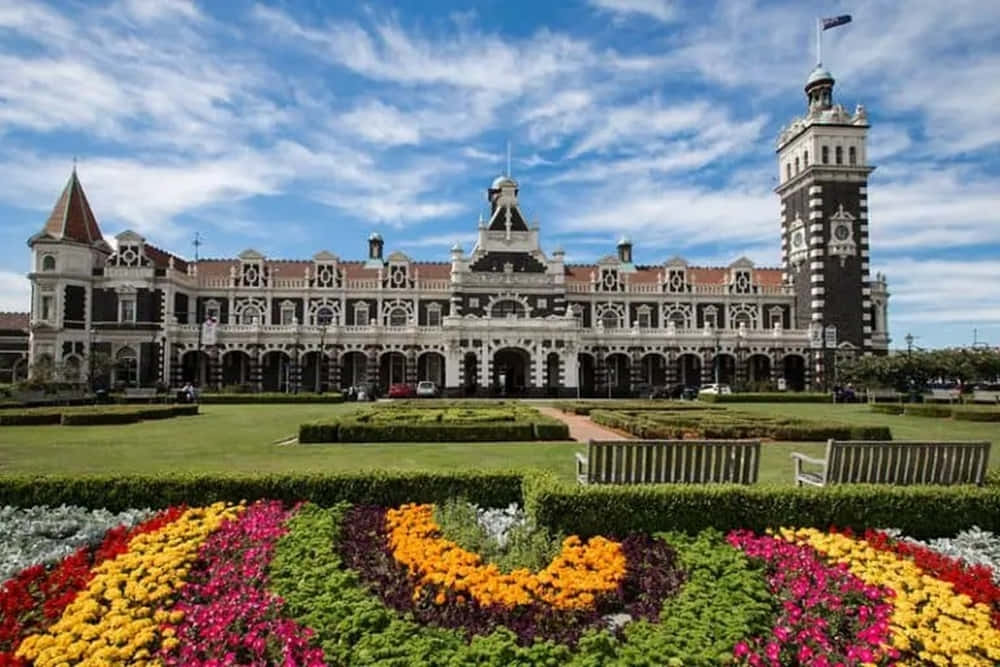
(322, 353)
(909, 344)
(715, 359)
(741, 334)
(90, 358)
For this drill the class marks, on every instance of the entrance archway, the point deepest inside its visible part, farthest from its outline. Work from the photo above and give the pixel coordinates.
(391, 370)
(724, 368)
(355, 369)
(510, 370)
(795, 372)
(470, 372)
(315, 371)
(430, 366)
(275, 371)
(619, 369)
(585, 363)
(759, 371)
(235, 368)
(194, 368)
(654, 370)
(689, 370)
(552, 380)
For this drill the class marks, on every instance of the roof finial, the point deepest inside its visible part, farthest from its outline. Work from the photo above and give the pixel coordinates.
(508, 158)
(197, 243)
(74, 164)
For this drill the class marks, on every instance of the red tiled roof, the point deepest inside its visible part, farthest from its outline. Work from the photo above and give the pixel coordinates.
(161, 258)
(699, 275)
(72, 218)
(13, 321)
(768, 277)
(433, 270)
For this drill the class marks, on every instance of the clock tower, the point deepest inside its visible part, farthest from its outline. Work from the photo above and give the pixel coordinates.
(823, 186)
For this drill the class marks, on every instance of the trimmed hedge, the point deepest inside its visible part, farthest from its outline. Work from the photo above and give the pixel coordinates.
(768, 397)
(927, 410)
(272, 397)
(920, 511)
(120, 492)
(586, 407)
(976, 415)
(886, 408)
(90, 416)
(405, 423)
(733, 425)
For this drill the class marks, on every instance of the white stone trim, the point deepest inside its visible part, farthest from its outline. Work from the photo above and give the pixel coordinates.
(866, 329)
(816, 266)
(866, 317)
(817, 291)
(813, 240)
(815, 189)
(864, 229)
(815, 201)
(817, 303)
(817, 317)
(815, 215)
(866, 291)
(815, 252)
(863, 215)
(863, 203)
(864, 252)
(816, 227)
(863, 190)
(864, 267)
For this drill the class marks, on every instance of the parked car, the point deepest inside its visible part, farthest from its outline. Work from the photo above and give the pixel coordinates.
(426, 389)
(716, 389)
(401, 391)
(689, 393)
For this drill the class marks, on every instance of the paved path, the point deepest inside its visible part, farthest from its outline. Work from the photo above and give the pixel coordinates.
(581, 428)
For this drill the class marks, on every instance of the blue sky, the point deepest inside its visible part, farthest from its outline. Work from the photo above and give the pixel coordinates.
(302, 125)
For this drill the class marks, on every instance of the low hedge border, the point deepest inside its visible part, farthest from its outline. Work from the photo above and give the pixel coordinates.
(586, 407)
(92, 416)
(120, 492)
(960, 413)
(273, 397)
(919, 511)
(886, 408)
(768, 397)
(927, 410)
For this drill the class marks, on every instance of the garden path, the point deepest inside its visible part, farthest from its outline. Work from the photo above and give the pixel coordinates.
(581, 428)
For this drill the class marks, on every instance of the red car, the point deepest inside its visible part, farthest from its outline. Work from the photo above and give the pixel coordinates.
(402, 391)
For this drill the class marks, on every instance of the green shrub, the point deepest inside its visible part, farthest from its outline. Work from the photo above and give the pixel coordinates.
(29, 417)
(768, 397)
(271, 397)
(119, 492)
(971, 414)
(886, 408)
(351, 430)
(550, 429)
(927, 410)
(99, 417)
(920, 511)
(586, 407)
(319, 431)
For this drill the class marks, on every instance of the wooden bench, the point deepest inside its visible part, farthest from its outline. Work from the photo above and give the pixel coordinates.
(140, 394)
(669, 461)
(985, 396)
(945, 395)
(876, 395)
(895, 462)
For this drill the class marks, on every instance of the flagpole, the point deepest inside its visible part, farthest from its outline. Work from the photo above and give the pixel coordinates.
(819, 43)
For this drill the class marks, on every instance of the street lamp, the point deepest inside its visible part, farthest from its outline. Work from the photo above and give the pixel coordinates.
(909, 343)
(90, 358)
(322, 353)
(715, 360)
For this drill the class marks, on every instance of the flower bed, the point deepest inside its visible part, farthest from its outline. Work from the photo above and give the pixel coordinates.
(412, 422)
(275, 583)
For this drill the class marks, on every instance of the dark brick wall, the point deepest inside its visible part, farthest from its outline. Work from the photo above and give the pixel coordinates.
(148, 305)
(181, 303)
(797, 203)
(843, 284)
(494, 261)
(105, 305)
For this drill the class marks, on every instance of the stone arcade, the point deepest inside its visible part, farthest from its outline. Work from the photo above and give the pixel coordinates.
(506, 318)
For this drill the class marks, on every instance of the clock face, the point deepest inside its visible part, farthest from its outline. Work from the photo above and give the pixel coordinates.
(798, 239)
(841, 232)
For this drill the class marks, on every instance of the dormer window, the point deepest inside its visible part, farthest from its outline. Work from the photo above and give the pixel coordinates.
(48, 263)
(742, 283)
(676, 281)
(610, 282)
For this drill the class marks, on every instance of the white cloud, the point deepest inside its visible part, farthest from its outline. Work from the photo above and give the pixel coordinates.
(661, 10)
(15, 292)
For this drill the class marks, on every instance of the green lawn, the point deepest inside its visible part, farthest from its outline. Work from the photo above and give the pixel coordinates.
(243, 438)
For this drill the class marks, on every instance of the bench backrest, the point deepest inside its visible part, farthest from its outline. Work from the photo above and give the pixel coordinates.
(985, 396)
(943, 394)
(900, 462)
(672, 461)
(140, 391)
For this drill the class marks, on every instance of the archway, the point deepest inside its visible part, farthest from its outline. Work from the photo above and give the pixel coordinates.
(430, 366)
(126, 369)
(552, 379)
(510, 370)
(585, 369)
(759, 372)
(724, 368)
(235, 368)
(795, 372)
(619, 369)
(689, 369)
(275, 371)
(654, 370)
(391, 370)
(72, 369)
(354, 372)
(315, 372)
(470, 372)
(194, 368)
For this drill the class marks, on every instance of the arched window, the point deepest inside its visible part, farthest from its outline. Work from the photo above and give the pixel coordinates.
(508, 308)
(398, 317)
(325, 316)
(126, 367)
(788, 170)
(71, 369)
(742, 319)
(678, 318)
(805, 158)
(250, 315)
(796, 165)
(610, 319)
(840, 155)
(826, 154)
(48, 263)
(852, 155)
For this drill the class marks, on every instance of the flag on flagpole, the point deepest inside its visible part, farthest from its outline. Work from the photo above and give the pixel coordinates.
(834, 21)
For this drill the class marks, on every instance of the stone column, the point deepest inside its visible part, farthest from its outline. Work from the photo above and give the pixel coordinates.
(411, 365)
(670, 376)
(708, 367)
(215, 367)
(255, 370)
(372, 365)
(333, 370)
(635, 368)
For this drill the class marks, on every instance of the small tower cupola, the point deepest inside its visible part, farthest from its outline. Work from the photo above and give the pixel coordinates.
(625, 250)
(505, 188)
(375, 245)
(819, 89)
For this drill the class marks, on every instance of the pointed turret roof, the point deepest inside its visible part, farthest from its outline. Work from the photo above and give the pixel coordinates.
(71, 218)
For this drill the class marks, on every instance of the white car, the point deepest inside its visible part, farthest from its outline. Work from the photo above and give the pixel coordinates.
(716, 389)
(426, 389)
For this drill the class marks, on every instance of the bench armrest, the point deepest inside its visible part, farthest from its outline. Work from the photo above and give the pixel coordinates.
(581, 468)
(808, 459)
